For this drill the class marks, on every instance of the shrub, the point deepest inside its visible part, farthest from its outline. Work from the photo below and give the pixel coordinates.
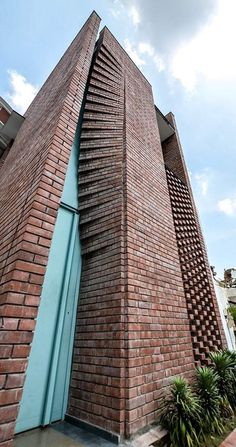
(226, 410)
(182, 415)
(232, 356)
(190, 414)
(208, 393)
(224, 366)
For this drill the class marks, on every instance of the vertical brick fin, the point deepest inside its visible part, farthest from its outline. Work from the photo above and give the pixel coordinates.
(204, 326)
(159, 339)
(97, 384)
(31, 184)
(173, 154)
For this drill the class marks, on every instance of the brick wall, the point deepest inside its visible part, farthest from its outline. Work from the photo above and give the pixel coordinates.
(30, 189)
(97, 385)
(158, 339)
(205, 322)
(132, 331)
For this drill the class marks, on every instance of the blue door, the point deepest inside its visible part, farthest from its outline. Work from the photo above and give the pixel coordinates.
(46, 387)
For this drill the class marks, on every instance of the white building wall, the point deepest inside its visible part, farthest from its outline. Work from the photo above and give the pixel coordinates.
(222, 298)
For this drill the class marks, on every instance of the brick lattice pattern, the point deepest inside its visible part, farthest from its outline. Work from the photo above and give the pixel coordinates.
(204, 326)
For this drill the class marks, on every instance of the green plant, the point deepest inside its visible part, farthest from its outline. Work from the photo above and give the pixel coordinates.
(208, 393)
(232, 310)
(226, 410)
(182, 415)
(232, 356)
(224, 366)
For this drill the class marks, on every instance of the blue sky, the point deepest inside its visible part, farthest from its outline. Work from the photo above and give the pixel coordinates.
(186, 49)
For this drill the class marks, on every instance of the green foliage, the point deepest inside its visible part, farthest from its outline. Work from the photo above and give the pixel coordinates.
(232, 310)
(216, 440)
(224, 366)
(232, 355)
(216, 388)
(182, 415)
(226, 410)
(208, 393)
(201, 413)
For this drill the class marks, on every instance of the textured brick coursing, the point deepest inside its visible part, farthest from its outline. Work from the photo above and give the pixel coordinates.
(158, 338)
(205, 322)
(30, 189)
(97, 386)
(132, 330)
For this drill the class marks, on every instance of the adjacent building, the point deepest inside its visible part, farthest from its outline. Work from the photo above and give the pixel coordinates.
(106, 291)
(226, 297)
(10, 123)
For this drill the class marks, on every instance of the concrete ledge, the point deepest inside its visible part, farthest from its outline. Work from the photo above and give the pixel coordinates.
(230, 441)
(109, 436)
(156, 436)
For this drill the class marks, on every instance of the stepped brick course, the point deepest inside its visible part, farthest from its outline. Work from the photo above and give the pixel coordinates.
(97, 386)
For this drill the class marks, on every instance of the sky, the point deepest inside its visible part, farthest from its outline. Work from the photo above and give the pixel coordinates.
(185, 48)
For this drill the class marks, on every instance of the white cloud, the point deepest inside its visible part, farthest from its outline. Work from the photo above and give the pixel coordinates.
(146, 48)
(115, 12)
(21, 92)
(134, 53)
(227, 206)
(159, 63)
(193, 41)
(149, 50)
(117, 8)
(203, 181)
(142, 49)
(210, 54)
(168, 23)
(134, 14)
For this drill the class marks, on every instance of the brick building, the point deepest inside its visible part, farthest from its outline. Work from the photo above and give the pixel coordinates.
(99, 227)
(10, 123)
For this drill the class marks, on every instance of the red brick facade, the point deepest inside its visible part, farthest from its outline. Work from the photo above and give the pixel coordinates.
(133, 333)
(133, 330)
(30, 189)
(98, 377)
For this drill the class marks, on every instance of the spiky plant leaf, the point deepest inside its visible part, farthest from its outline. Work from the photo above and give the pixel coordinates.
(182, 415)
(207, 390)
(224, 365)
